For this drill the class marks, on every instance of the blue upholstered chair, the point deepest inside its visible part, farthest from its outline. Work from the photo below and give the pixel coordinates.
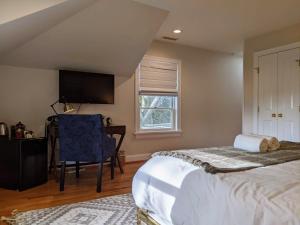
(82, 138)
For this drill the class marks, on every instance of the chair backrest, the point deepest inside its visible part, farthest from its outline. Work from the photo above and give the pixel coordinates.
(80, 137)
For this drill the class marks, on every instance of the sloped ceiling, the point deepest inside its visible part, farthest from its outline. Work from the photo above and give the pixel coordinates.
(109, 36)
(27, 21)
(223, 25)
(14, 9)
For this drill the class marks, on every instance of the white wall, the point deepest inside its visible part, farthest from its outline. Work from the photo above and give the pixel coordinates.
(25, 95)
(211, 99)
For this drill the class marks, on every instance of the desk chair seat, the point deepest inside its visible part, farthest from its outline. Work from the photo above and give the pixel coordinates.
(83, 139)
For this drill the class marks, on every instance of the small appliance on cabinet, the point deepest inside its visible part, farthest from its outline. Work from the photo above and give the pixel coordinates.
(4, 135)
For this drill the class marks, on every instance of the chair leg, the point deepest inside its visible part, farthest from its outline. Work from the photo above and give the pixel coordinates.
(62, 176)
(112, 168)
(77, 169)
(99, 177)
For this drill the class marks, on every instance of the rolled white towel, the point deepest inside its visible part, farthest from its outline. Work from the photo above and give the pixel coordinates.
(273, 142)
(251, 143)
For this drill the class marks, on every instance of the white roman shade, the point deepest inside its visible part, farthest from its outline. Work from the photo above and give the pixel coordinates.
(158, 75)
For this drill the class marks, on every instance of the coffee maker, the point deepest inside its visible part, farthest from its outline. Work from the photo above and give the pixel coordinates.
(4, 135)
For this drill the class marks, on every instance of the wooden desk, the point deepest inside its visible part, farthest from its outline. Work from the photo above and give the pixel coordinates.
(52, 131)
(117, 130)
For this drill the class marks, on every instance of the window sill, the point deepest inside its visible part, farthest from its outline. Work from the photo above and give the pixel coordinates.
(157, 134)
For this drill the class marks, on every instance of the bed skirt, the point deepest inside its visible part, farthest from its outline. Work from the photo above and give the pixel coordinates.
(143, 218)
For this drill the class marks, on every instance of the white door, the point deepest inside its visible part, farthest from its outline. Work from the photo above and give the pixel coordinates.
(288, 95)
(267, 95)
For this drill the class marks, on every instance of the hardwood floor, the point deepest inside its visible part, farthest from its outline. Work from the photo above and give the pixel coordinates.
(76, 190)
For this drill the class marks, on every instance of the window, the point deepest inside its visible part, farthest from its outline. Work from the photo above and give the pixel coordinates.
(157, 112)
(158, 96)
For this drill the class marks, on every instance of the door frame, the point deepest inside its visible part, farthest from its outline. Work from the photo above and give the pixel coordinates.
(256, 55)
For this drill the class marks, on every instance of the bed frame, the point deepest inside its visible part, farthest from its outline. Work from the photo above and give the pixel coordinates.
(144, 218)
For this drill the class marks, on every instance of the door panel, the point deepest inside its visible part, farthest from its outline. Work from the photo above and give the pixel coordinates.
(288, 95)
(267, 95)
(268, 127)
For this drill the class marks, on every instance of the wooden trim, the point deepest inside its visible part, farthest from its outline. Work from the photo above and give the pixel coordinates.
(133, 162)
(136, 95)
(143, 216)
(255, 78)
(255, 100)
(178, 105)
(277, 49)
(137, 158)
(162, 59)
(157, 134)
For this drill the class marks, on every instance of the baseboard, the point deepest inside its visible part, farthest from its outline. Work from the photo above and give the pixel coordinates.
(138, 157)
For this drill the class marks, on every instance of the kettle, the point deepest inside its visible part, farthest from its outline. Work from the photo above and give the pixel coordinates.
(3, 130)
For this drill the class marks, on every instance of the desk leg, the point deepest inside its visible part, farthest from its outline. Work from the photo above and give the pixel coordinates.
(120, 166)
(117, 153)
(52, 159)
(77, 169)
(62, 176)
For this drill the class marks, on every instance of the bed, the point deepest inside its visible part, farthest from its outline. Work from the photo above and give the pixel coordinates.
(171, 189)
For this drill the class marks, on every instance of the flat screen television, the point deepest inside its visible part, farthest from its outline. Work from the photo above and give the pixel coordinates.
(83, 87)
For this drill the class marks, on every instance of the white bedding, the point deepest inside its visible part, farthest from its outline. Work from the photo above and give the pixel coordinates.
(177, 192)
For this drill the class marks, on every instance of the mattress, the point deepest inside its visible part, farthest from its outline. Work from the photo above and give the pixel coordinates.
(174, 191)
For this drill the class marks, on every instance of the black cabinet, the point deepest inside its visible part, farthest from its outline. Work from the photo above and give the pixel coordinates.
(23, 163)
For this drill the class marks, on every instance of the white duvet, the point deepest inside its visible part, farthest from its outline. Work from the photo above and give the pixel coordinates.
(177, 192)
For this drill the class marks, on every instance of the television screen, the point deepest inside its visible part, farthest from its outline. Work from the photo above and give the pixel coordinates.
(83, 87)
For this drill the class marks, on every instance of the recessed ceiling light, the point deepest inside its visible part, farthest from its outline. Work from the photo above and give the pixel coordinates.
(177, 31)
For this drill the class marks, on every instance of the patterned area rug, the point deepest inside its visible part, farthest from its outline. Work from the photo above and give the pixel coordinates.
(115, 210)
